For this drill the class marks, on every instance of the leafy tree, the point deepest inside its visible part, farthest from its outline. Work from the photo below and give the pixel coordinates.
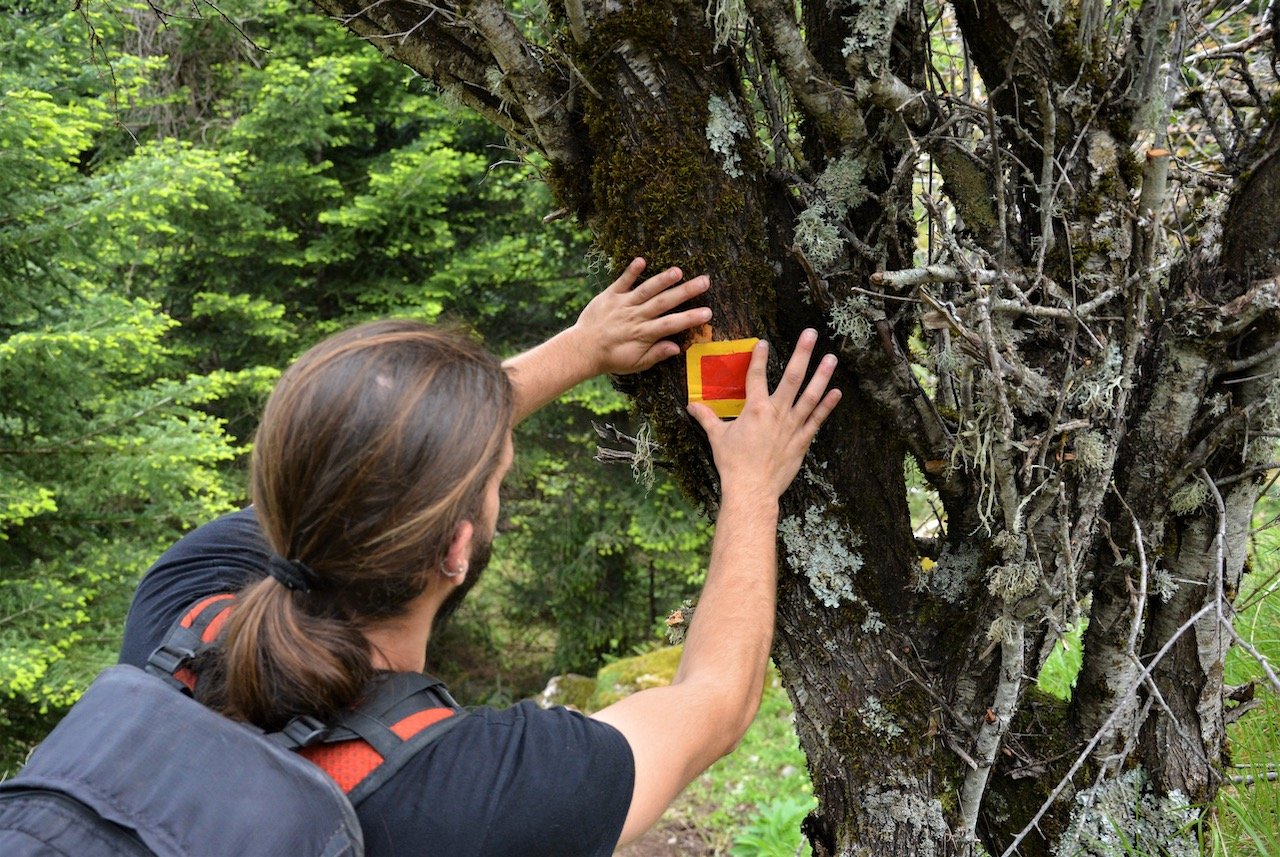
(606, 561)
(100, 429)
(189, 201)
(1042, 238)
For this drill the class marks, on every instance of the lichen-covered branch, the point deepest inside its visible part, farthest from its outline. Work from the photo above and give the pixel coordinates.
(823, 100)
(542, 95)
(994, 725)
(430, 40)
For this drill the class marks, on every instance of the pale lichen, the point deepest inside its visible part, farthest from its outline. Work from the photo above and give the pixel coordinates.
(975, 449)
(724, 129)
(843, 183)
(877, 719)
(1010, 545)
(1190, 497)
(818, 237)
(817, 546)
(869, 34)
(1013, 580)
(947, 360)
(1094, 391)
(873, 624)
(728, 18)
(1163, 583)
(952, 575)
(1091, 451)
(850, 318)
(1003, 629)
(899, 811)
(1124, 815)
(840, 187)
(596, 259)
(642, 459)
(814, 474)
(493, 80)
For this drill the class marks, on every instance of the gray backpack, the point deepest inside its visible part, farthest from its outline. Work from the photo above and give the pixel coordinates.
(138, 767)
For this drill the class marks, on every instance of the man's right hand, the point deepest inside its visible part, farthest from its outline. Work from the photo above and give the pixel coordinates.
(760, 452)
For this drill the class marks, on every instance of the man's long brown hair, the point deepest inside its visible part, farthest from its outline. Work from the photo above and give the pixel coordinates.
(374, 447)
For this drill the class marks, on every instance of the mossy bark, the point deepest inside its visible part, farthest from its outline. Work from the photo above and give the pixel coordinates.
(1072, 388)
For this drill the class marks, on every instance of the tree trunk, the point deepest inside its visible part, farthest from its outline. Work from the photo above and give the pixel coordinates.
(1068, 333)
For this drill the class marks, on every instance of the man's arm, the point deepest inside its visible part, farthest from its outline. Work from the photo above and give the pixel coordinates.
(622, 330)
(677, 732)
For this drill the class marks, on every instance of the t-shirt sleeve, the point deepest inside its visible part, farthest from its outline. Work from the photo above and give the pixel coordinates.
(221, 556)
(520, 781)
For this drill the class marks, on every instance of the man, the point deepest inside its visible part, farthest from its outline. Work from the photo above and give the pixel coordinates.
(376, 480)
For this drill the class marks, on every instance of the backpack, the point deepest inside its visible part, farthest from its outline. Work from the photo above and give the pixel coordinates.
(136, 768)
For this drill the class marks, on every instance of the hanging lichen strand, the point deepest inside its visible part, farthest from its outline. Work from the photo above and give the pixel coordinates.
(1041, 237)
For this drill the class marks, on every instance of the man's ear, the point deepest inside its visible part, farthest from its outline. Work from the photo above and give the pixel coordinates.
(455, 561)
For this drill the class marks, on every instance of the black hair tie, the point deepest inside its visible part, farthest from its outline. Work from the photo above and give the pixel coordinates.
(292, 573)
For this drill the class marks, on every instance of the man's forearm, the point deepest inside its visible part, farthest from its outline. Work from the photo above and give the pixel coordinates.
(732, 630)
(548, 371)
(623, 329)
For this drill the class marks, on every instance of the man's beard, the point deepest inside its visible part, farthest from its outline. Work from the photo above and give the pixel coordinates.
(481, 550)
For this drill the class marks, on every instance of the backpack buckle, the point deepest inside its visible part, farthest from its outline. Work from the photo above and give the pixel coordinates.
(305, 730)
(168, 659)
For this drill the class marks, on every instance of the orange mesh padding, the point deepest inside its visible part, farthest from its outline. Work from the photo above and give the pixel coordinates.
(187, 677)
(415, 723)
(347, 762)
(188, 619)
(215, 627)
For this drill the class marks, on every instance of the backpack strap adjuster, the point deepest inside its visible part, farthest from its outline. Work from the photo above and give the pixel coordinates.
(302, 731)
(167, 660)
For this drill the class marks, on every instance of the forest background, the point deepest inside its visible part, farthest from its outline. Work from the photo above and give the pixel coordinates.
(188, 201)
(187, 204)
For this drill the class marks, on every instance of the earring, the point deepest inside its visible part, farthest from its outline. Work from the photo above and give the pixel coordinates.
(460, 571)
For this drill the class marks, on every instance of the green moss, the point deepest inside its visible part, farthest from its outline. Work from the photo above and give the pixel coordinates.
(624, 677)
(657, 190)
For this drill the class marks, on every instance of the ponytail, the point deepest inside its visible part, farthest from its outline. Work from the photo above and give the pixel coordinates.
(373, 448)
(278, 661)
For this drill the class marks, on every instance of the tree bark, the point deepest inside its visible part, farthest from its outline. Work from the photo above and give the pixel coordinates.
(1079, 361)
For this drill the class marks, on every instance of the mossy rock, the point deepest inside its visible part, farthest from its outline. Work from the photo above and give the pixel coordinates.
(570, 690)
(628, 675)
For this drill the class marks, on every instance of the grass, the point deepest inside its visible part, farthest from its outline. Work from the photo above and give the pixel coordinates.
(751, 802)
(1248, 811)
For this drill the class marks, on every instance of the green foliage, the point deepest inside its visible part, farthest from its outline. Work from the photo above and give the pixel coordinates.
(1248, 809)
(1058, 676)
(774, 831)
(183, 212)
(106, 446)
(744, 791)
(608, 560)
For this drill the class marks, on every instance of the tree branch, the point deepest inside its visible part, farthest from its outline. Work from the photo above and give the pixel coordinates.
(1103, 730)
(837, 115)
(448, 55)
(545, 104)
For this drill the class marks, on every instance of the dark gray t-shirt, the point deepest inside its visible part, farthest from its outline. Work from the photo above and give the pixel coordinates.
(516, 781)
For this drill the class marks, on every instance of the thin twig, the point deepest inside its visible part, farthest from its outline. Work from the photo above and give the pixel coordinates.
(1220, 540)
(1104, 729)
